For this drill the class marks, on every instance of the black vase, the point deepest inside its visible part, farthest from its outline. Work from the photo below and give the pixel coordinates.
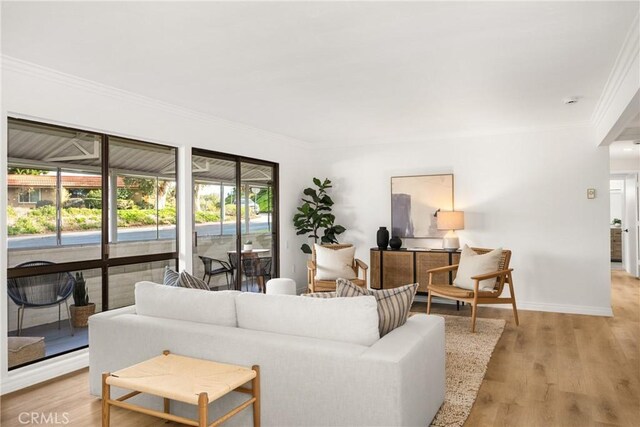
(382, 237)
(395, 242)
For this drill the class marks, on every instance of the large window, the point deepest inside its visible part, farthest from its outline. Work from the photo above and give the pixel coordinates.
(88, 208)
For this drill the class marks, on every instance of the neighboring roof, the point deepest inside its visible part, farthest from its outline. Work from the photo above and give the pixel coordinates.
(50, 181)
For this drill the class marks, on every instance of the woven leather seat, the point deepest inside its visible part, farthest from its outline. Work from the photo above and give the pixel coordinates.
(459, 292)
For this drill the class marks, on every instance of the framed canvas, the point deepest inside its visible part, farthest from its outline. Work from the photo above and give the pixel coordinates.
(414, 203)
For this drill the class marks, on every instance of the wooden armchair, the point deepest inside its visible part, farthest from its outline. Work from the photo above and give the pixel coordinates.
(476, 296)
(330, 285)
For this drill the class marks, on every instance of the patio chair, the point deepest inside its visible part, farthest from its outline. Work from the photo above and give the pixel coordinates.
(257, 270)
(41, 291)
(213, 267)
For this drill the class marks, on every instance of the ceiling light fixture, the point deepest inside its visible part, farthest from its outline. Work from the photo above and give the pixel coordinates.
(571, 100)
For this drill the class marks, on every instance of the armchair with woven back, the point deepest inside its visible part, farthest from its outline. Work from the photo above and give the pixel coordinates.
(330, 262)
(476, 288)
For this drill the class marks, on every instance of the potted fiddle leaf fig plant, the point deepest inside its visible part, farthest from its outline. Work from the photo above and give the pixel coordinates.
(81, 308)
(314, 217)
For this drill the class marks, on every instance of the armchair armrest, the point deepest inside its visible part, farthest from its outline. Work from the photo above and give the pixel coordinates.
(311, 265)
(443, 269)
(491, 275)
(361, 264)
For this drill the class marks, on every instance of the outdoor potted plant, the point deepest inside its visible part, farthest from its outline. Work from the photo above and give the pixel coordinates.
(248, 246)
(82, 308)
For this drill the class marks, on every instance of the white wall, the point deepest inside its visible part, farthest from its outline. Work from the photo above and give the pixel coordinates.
(524, 192)
(624, 165)
(40, 94)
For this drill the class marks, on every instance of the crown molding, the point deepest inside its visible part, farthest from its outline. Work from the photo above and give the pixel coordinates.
(622, 67)
(19, 66)
(462, 135)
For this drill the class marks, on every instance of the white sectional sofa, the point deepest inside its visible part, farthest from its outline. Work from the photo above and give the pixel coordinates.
(321, 360)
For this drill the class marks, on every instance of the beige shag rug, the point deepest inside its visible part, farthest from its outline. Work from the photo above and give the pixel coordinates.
(467, 358)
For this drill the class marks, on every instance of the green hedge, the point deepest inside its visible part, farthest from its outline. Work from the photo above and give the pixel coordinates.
(43, 220)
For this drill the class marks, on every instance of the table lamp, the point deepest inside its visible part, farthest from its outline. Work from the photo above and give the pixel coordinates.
(450, 221)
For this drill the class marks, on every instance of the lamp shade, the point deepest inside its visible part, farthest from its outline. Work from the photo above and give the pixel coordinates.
(450, 220)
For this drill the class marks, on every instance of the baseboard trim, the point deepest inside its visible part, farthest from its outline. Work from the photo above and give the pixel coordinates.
(563, 308)
(43, 371)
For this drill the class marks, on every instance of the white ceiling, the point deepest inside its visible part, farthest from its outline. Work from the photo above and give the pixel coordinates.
(339, 72)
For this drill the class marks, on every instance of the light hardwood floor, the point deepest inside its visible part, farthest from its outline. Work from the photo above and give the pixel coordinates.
(552, 370)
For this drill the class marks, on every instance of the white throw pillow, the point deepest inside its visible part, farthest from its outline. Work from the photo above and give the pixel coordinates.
(194, 305)
(351, 320)
(332, 264)
(472, 264)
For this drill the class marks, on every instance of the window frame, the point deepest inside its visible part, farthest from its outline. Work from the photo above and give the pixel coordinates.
(29, 192)
(104, 262)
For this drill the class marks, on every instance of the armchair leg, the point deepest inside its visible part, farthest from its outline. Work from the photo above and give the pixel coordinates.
(473, 317)
(429, 303)
(513, 300)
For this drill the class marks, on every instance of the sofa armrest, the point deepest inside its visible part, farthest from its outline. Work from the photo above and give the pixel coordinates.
(416, 351)
(130, 309)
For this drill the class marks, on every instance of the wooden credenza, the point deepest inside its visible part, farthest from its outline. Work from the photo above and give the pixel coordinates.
(392, 268)
(616, 244)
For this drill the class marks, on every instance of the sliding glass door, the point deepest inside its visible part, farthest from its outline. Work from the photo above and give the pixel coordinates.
(235, 221)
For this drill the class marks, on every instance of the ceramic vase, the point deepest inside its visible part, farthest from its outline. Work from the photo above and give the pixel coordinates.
(382, 238)
(395, 242)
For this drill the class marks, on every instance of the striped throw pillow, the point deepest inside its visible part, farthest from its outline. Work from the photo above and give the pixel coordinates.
(321, 295)
(170, 277)
(393, 304)
(186, 280)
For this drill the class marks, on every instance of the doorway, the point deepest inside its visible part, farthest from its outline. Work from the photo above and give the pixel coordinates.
(625, 206)
(235, 220)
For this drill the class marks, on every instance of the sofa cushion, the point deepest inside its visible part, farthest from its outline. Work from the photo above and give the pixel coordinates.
(352, 320)
(393, 304)
(472, 264)
(190, 281)
(334, 263)
(170, 277)
(331, 294)
(195, 305)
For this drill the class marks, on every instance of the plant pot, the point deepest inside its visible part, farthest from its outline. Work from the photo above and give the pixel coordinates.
(80, 314)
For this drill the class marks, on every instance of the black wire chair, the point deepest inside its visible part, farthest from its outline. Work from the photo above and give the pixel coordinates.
(41, 291)
(233, 262)
(257, 268)
(213, 267)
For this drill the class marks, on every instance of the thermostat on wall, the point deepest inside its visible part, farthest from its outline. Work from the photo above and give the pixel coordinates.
(591, 193)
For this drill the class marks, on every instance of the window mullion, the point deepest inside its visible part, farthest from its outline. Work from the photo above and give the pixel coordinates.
(58, 207)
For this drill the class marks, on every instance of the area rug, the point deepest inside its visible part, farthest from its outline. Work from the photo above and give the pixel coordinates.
(467, 358)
